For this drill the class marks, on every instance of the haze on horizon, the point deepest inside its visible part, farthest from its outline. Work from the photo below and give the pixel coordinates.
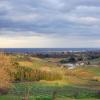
(49, 23)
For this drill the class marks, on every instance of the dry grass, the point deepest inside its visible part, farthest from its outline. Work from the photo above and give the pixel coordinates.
(5, 69)
(25, 63)
(4, 79)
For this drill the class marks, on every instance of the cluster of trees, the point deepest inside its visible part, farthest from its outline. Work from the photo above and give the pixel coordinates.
(88, 54)
(68, 60)
(80, 56)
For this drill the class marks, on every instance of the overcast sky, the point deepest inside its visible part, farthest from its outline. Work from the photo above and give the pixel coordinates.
(49, 23)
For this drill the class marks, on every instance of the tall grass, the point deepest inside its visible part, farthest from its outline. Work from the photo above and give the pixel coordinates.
(34, 74)
(6, 69)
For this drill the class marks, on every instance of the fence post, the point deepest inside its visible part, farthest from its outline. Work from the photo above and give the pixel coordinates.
(54, 94)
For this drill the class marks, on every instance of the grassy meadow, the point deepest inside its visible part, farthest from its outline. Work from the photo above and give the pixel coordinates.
(24, 77)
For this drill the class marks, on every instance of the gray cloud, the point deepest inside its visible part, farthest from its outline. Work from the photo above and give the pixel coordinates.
(50, 17)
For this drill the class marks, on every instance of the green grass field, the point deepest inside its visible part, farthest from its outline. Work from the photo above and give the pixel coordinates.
(46, 98)
(44, 91)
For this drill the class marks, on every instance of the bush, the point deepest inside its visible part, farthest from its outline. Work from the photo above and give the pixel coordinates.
(5, 71)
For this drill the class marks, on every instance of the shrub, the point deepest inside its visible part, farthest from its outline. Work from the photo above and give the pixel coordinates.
(5, 71)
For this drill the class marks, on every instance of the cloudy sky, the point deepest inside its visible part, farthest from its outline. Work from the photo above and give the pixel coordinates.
(49, 23)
